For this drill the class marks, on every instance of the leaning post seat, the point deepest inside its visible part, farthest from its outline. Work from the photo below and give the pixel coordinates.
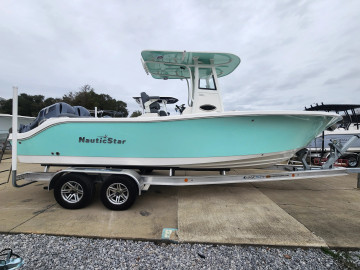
(162, 113)
(150, 103)
(154, 107)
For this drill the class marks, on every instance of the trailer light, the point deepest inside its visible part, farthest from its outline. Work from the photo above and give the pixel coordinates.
(293, 175)
(186, 180)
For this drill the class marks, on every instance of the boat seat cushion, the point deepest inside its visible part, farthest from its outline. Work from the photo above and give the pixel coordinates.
(162, 113)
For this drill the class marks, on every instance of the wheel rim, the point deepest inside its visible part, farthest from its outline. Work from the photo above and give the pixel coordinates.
(117, 193)
(72, 192)
(352, 162)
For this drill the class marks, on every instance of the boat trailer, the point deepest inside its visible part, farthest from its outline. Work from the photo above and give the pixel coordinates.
(74, 187)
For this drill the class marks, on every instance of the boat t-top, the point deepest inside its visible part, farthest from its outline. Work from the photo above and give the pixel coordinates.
(203, 136)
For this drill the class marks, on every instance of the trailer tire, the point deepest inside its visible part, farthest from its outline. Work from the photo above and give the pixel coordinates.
(353, 161)
(118, 192)
(73, 191)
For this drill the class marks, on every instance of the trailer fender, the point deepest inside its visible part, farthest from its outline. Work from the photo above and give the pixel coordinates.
(55, 178)
(135, 176)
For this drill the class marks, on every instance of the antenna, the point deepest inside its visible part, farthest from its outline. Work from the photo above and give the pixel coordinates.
(183, 56)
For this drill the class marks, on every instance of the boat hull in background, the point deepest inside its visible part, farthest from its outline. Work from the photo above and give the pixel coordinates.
(337, 135)
(6, 124)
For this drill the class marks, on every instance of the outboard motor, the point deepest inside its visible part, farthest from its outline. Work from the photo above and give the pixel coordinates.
(60, 109)
(81, 111)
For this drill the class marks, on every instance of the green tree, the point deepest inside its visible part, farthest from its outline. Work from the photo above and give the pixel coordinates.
(31, 105)
(6, 106)
(27, 105)
(121, 107)
(136, 114)
(87, 98)
(51, 101)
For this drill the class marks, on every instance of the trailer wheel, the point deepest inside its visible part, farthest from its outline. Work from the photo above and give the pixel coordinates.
(73, 191)
(353, 161)
(118, 192)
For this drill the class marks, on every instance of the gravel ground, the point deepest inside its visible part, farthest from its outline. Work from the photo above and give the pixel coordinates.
(55, 252)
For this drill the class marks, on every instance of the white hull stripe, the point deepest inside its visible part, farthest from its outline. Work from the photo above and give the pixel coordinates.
(207, 162)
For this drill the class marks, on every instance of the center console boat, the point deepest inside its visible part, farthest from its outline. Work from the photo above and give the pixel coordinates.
(202, 136)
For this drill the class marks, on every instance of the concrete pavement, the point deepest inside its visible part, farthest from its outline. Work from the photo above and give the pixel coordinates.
(328, 207)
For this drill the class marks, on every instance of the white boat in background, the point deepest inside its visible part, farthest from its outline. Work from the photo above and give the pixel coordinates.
(6, 123)
(341, 135)
(346, 129)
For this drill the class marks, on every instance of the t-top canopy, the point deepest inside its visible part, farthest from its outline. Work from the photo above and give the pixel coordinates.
(176, 64)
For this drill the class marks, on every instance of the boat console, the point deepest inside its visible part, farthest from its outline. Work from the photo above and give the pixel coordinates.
(201, 71)
(154, 105)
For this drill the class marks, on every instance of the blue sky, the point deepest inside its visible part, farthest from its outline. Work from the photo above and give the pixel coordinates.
(294, 53)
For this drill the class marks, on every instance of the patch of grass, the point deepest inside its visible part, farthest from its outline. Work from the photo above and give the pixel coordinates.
(341, 256)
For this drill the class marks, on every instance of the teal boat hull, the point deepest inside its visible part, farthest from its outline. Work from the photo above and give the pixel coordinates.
(206, 141)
